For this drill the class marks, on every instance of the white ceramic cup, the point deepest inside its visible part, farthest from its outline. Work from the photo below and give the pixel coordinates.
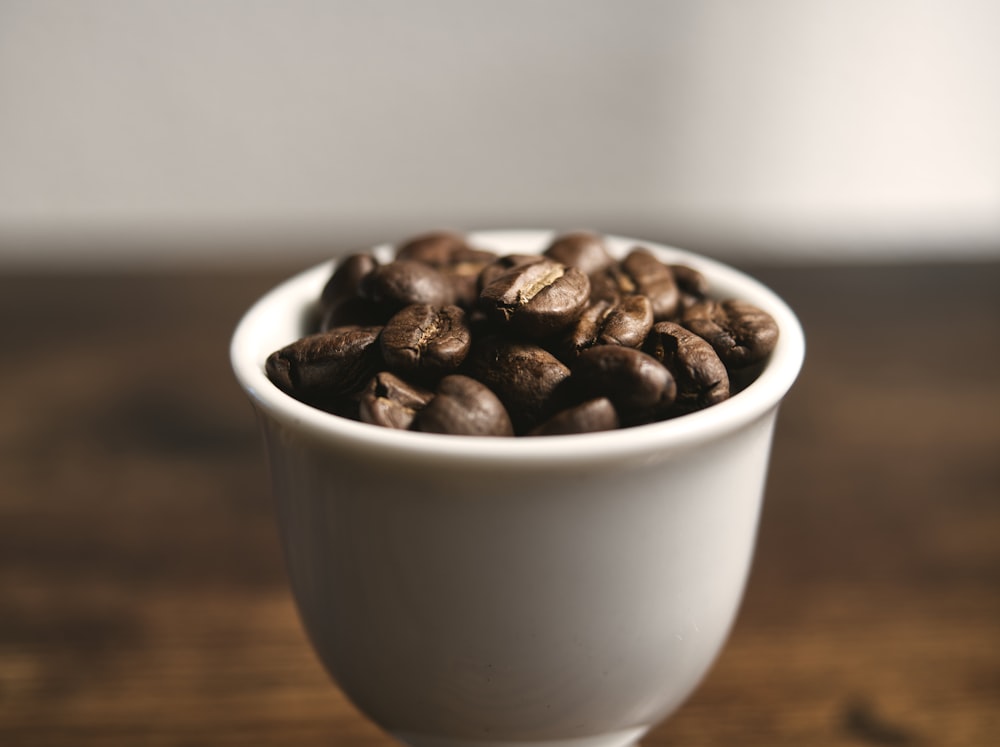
(562, 590)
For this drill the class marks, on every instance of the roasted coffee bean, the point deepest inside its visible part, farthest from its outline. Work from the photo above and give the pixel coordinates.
(603, 323)
(503, 265)
(693, 286)
(527, 378)
(463, 272)
(640, 273)
(588, 417)
(427, 341)
(391, 402)
(346, 279)
(638, 385)
(464, 278)
(339, 303)
(610, 286)
(587, 330)
(463, 406)
(653, 279)
(451, 254)
(328, 365)
(353, 312)
(581, 249)
(700, 374)
(436, 248)
(627, 323)
(445, 250)
(444, 310)
(537, 299)
(404, 282)
(741, 333)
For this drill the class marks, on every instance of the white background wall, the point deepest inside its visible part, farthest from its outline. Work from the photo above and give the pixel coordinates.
(223, 128)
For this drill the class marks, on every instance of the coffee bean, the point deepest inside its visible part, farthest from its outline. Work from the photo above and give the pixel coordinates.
(391, 402)
(604, 323)
(700, 374)
(503, 265)
(537, 299)
(325, 366)
(653, 279)
(340, 305)
(436, 248)
(451, 254)
(427, 341)
(581, 249)
(627, 323)
(443, 250)
(693, 286)
(527, 378)
(463, 406)
(637, 384)
(404, 282)
(587, 330)
(353, 312)
(463, 272)
(588, 417)
(741, 333)
(346, 279)
(610, 285)
(640, 273)
(644, 339)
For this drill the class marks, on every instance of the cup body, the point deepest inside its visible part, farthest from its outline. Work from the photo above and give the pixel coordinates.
(568, 589)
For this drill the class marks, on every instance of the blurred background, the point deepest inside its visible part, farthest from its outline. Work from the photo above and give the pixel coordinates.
(141, 131)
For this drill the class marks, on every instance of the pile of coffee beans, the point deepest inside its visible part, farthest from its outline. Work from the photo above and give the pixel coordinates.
(453, 338)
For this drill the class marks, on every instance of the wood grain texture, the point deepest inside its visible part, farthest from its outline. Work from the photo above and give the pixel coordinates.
(144, 599)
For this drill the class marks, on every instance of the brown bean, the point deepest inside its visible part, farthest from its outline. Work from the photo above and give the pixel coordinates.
(537, 299)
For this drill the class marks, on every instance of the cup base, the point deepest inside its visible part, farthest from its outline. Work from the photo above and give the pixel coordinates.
(611, 739)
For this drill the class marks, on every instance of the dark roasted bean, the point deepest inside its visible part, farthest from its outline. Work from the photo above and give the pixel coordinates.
(693, 286)
(640, 273)
(537, 299)
(391, 402)
(353, 312)
(436, 248)
(588, 417)
(339, 304)
(585, 333)
(610, 286)
(427, 341)
(527, 378)
(581, 249)
(444, 310)
(463, 272)
(741, 333)
(701, 376)
(451, 254)
(638, 385)
(627, 323)
(406, 281)
(654, 280)
(503, 265)
(346, 279)
(465, 407)
(328, 365)
(603, 323)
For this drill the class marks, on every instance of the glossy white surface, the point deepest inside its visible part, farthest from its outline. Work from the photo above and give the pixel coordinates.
(569, 590)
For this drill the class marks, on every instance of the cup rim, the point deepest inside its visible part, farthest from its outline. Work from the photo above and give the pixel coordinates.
(286, 305)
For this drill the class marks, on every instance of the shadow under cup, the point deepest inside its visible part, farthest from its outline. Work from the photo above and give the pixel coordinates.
(560, 590)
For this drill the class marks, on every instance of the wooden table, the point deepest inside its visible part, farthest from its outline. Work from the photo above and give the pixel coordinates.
(143, 594)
